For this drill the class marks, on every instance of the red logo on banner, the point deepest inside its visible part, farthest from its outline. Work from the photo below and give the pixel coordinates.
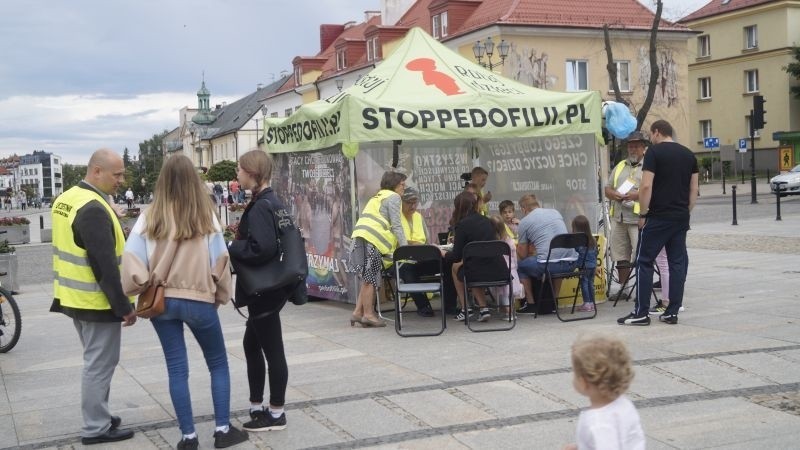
(431, 76)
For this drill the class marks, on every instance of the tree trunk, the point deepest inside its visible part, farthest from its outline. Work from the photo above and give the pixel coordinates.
(653, 83)
(612, 68)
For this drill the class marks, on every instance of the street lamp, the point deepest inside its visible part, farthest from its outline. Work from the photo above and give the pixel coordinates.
(339, 84)
(487, 49)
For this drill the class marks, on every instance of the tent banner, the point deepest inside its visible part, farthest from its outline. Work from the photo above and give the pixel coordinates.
(316, 188)
(560, 170)
(433, 168)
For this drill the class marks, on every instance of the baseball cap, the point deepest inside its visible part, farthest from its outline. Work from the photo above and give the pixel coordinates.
(410, 194)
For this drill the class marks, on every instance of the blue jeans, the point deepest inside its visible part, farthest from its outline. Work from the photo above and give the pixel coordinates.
(531, 268)
(203, 321)
(587, 285)
(655, 234)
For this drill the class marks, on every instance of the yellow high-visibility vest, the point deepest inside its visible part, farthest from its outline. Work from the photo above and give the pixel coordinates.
(416, 232)
(374, 228)
(615, 176)
(74, 283)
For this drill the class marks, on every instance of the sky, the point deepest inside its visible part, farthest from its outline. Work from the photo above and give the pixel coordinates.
(79, 75)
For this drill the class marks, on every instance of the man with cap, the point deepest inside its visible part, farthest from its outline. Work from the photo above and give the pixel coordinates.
(622, 189)
(416, 234)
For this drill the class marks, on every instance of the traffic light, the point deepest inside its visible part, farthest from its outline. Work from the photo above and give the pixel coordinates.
(758, 112)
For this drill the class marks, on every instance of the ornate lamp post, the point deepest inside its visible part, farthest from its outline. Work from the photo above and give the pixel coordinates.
(487, 49)
(339, 84)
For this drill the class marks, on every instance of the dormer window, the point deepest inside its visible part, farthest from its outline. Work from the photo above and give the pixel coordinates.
(372, 48)
(341, 60)
(439, 25)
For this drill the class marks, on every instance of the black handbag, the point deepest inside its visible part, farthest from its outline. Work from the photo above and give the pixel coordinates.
(287, 271)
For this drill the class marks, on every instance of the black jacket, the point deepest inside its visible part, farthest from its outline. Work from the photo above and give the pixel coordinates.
(475, 227)
(256, 243)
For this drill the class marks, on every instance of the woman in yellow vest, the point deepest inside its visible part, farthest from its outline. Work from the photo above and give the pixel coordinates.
(377, 234)
(417, 234)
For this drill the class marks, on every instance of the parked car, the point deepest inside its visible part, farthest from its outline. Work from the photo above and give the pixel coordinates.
(792, 180)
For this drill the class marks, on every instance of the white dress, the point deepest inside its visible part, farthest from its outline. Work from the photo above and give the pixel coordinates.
(614, 426)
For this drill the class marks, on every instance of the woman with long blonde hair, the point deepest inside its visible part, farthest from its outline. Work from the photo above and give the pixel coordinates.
(178, 243)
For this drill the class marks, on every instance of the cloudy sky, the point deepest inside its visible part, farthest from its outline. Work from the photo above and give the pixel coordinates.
(83, 74)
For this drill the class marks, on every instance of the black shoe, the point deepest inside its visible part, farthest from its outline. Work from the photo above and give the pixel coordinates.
(631, 319)
(671, 319)
(109, 436)
(527, 308)
(232, 437)
(188, 444)
(116, 421)
(425, 311)
(263, 421)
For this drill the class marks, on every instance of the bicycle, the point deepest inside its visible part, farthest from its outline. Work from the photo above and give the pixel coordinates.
(10, 320)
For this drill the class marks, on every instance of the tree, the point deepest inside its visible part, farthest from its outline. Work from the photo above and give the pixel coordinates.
(126, 157)
(149, 164)
(653, 81)
(222, 171)
(793, 69)
(72, 174)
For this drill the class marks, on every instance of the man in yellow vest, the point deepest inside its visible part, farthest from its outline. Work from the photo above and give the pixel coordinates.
(622, 189)
(87, 248)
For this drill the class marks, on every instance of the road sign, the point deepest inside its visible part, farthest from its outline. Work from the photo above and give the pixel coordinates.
(711, 142)
(743, 145)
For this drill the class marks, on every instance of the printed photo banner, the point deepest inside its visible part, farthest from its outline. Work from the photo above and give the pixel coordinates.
(316, 187)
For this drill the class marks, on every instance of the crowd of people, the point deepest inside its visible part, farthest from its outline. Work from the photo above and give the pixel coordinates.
(178, 243)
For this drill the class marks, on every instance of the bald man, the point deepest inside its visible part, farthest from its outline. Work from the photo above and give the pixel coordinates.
(87, 247)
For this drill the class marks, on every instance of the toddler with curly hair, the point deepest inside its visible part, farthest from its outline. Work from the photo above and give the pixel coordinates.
(603, 372)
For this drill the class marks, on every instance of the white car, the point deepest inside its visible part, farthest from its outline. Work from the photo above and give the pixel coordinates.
(792, 180)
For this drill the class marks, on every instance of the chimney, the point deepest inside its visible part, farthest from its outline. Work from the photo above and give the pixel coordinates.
(328, 34)
(218, 107)
(349, 24)
(393, 10)
(370, 14)
(259, 86)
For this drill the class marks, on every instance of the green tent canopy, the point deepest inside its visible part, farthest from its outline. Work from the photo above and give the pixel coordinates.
(425, 91)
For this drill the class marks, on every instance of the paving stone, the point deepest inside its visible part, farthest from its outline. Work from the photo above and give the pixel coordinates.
(439, 408)
(766, 365)
(368, 418)
(8, 435)
(509, 399)
(712, 375)
(650, 382)
(446, 442)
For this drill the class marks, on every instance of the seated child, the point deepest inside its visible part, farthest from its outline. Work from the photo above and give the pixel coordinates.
(509, 218)
(501, 293)
(580, 224)
(603, 372)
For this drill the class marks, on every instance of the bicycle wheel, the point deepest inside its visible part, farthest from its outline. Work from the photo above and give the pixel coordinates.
(10, 321)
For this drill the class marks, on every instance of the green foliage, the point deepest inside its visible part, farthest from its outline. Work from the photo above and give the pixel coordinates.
(126, 157)
(793, 69)
(5, 248)
(726, 168)
(72, 175)
(222, 171)
(706, 162)
(147, 167)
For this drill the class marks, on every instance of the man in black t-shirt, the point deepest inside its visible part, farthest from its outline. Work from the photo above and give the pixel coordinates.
(667, 194)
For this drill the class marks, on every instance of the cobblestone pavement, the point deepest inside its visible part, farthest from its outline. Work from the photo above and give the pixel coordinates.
(727, 376)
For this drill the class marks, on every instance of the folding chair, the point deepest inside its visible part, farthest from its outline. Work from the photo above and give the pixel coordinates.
(486, 264)
(426, 260)
(567, 241)
(634, 275)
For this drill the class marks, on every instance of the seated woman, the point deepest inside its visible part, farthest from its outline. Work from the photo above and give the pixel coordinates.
(417, 234)
(470, 226)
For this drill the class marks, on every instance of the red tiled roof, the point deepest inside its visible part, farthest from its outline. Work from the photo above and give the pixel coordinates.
(628, 14)
(418, 15)
(717, 7)
(354, 33)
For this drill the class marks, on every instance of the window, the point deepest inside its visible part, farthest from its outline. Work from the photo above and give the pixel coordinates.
(751, 81)
(751, 37)
(439, 25)
(372, 49)
(703, 46)
(287, 112)
(623, 76)
(705, 88)
(577, 76)
(705, 129)
(341, 60)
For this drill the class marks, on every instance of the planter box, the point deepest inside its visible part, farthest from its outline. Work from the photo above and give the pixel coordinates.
(16, 234)
(9, 264)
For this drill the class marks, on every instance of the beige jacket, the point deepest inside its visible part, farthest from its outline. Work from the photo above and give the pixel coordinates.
(194, 269)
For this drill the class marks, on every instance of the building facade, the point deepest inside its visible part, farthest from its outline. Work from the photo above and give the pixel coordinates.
(739, 53)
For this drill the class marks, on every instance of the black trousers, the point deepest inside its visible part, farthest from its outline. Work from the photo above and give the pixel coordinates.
(263, 339)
